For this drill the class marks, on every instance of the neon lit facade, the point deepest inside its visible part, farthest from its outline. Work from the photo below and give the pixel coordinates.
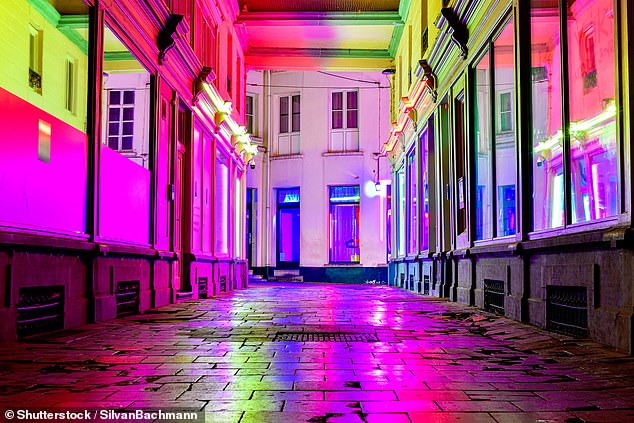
(119, 195)
(510, 156)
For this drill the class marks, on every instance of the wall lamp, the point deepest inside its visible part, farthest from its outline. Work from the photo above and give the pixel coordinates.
(429, 77)
(388, 71)
(165, 39)
(460, 34)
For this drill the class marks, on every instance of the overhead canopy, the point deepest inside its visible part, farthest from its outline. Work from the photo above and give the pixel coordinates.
(320, 34)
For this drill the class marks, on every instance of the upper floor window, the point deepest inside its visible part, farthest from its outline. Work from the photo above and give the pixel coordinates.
(289, 124)
(250, 114)
(35, 59)
(120, 119)
(344, 123)
(289, 114)
(71, 84)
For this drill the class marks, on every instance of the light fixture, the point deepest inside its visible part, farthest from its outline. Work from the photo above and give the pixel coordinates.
(388, 71)
(201, 79)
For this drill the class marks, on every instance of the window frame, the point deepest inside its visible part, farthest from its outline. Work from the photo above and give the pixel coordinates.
(568, 224)
(345, 130)
(357, 205)
(494, 131)
(291, 130)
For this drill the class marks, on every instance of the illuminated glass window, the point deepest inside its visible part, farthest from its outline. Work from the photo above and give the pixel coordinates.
(496, 168)
(412, 203)
(221, 204)
(588, 148)
(344, 224)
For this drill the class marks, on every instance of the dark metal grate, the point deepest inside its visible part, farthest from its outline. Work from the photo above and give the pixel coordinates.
(203, 287)
(494, 296)
(567, 310)
(127, 296)
(411, 282)
(402, 280)
(324, 337)
(426, 285)
(40, 309)
(223, 283)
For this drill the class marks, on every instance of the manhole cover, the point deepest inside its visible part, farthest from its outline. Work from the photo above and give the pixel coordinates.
(324, 337)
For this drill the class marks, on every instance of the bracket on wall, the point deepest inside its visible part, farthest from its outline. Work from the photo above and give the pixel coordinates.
(459, 34)
(165, 39)
(199, 84)
(430, 78)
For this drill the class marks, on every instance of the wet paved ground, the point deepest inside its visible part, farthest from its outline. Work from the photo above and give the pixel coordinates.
(385, 355)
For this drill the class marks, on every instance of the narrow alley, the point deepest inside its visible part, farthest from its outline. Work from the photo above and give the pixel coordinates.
(289, 352)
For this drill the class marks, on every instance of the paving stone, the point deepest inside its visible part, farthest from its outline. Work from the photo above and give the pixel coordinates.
(434, 361)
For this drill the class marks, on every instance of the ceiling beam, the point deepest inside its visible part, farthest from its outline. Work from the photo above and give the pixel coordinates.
(304, 62)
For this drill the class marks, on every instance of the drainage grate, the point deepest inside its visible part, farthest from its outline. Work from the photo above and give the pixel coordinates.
(203, 287)
(426, 285)
(567, 310)
(494, 296)
(40, 309)
(128, 297)
(324, 337)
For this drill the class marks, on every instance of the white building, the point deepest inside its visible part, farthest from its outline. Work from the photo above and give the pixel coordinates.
(318, 197)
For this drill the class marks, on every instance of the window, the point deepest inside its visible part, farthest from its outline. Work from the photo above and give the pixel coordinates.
(575, 174)
(495, 213)
(424, 189)
(120, 130)
(588, 64)
(289, 125)
(35, 59)
(505, 107)
(250, 112)
(126, 102)
(412, 202)
(344, 112)
(344, 224)
(400, 212)
(71, 84)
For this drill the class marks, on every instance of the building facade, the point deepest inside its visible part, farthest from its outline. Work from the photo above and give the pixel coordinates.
(511, 159)
(122, 158)
(318, 195)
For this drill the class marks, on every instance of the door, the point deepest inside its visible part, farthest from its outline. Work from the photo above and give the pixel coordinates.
(251, 224)
(288, 236)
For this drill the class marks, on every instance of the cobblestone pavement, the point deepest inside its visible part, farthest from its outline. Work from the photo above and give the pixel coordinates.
(296, 352)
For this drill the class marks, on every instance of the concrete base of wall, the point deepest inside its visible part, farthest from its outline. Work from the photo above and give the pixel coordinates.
(336, 274)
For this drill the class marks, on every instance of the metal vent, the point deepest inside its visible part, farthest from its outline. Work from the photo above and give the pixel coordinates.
(411, 282)
(494, 296)
(324, 337)
(426, 285)
(203, 287)
(223, 283)
(402, 284)
(567, 310)
(127, 296)
(40, 309)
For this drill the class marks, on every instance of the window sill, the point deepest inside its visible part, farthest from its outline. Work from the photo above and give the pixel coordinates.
(287, 157)
(342, 153)
(343, 264)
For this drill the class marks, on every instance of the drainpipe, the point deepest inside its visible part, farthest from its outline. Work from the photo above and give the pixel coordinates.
(266, 171)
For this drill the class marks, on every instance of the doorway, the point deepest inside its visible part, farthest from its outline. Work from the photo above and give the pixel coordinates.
(288, 228)
(251, 222)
